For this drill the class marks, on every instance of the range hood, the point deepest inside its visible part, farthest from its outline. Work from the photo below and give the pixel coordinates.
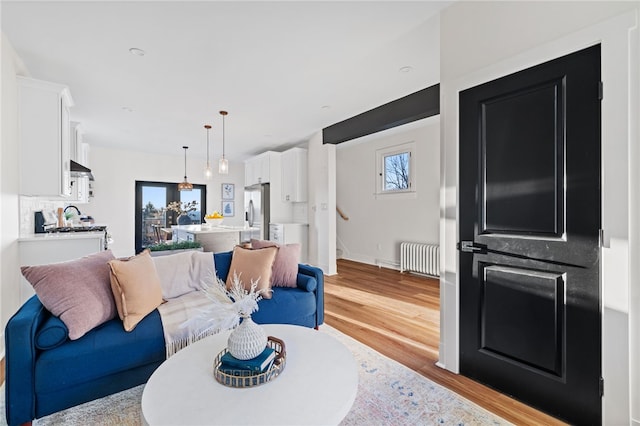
(78, 170)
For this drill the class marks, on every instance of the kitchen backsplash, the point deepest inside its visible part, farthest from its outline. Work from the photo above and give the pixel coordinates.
(30, 205)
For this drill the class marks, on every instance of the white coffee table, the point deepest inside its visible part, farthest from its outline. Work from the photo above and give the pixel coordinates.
(317, 386)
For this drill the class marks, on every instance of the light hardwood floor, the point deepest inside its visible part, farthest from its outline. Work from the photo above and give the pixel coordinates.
(399, 316)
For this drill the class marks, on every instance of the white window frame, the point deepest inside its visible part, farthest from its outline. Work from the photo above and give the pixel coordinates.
(383, 153)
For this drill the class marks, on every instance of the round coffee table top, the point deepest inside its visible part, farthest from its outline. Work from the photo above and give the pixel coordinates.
(317, 386)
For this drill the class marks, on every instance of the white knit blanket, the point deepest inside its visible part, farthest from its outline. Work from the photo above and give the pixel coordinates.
(174, 315)
(182, 277)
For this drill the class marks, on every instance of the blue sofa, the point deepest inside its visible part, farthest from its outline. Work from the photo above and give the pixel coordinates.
(44, 376)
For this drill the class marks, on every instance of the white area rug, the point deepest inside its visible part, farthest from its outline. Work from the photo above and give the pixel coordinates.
(388, 394)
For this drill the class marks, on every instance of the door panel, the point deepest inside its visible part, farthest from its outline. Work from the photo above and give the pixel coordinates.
(522, 318)
(530, 219)
(522, 182)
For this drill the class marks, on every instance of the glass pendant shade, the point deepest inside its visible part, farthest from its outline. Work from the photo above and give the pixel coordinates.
(223, 164)
(185, 185)
(208, 172)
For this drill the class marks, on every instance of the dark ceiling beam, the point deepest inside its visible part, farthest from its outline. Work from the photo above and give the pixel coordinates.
(416, 106)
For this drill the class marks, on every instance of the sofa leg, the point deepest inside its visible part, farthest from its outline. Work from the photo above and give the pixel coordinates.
(317, 327)
(26, 424)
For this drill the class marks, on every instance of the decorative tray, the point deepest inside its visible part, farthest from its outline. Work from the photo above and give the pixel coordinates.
(249, 379)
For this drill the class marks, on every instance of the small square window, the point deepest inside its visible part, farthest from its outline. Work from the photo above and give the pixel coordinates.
(395, 169)
(396, 172)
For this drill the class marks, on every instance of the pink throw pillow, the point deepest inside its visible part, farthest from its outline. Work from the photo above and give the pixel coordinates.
(77, 291)
(285, 267)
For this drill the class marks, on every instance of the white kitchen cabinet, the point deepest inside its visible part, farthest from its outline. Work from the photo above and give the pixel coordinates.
(79, 190)
(79, 154)
(258, 169)
(76, 141)
(45, 138)
(294, 175)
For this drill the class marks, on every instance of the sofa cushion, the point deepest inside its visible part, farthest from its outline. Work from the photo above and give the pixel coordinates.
(287, 306)
(136, 288)
(222, 262)
(52, 334)
(104, 351)
(185, 272)
(253, 265)
(77, 291)
(285, 266)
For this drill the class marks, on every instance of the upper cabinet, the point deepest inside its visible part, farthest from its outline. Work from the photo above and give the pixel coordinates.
(79, 154)
(45, 138)
(294, 175)
(258, 169)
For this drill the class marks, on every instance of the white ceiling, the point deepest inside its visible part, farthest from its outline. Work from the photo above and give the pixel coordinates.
(283, 70)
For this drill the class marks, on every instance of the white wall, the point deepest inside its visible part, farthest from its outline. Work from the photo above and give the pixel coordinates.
(116, 171)
(322, 204)
(378, 223)
(9, 223)
(486, 40)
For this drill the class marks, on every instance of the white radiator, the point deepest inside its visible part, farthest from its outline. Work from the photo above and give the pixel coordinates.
(420, 257)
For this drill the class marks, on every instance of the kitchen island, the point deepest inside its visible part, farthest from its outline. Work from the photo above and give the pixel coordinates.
(215, 239)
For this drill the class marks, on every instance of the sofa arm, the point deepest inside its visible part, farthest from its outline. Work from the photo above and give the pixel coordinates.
(318, 275)
(306, 283)
(20, 334)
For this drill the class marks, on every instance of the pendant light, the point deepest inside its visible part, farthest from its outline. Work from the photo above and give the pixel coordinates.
(208, 172)
(223, 164)
(185, 185)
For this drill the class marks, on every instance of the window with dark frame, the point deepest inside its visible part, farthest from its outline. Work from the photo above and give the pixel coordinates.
(151, 215)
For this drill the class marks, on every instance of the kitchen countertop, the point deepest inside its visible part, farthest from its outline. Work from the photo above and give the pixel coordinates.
(207, 229)
(57, 236)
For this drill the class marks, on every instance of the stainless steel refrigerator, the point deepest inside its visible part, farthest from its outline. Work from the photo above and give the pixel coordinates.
(256, 211)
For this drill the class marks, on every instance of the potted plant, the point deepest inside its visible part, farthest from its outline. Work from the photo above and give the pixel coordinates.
(163, 249)
(183, 210)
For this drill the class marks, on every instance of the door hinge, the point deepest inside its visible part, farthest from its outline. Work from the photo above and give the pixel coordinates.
(600, 90)
(601, 387)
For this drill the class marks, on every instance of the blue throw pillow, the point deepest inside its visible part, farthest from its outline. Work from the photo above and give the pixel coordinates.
(52, 334)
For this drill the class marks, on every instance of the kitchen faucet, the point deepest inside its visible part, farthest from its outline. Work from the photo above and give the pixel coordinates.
(72, 206)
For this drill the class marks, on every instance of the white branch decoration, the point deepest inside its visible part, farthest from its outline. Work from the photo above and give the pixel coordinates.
(227, 306)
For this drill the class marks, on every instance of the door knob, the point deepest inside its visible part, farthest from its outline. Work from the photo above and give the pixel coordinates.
(470, 247)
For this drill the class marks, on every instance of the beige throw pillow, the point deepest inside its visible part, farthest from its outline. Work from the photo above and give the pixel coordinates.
(136, 288)
(253, 265)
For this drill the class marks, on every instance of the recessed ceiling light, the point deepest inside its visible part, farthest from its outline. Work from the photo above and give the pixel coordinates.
(128, 109)
(406, 69)
(136, 51)
(325, 106)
